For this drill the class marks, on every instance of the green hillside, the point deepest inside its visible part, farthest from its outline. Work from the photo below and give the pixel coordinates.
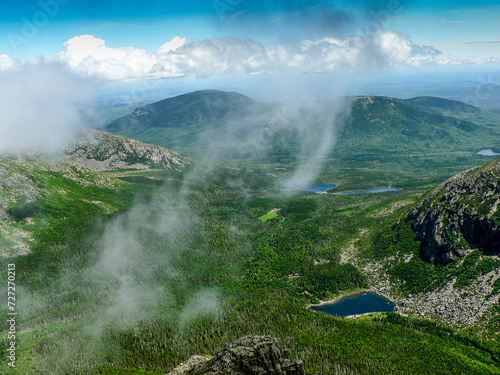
(191, 122)
(454, 108)
(384, 125)
(132, 271)
(44, 204)
(440, 257)
(181, 272)
(376, 124)
(441, 105)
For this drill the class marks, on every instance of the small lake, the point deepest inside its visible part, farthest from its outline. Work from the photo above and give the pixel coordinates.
(318, 189)
(356, 304)
(487, 152)
(266, 175)
(371, 191)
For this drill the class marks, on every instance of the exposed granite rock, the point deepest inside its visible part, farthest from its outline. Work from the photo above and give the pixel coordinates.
(251, 355)
(102, 151)
(105, 151)
(462, 307)
(190, 364)
(460, 214)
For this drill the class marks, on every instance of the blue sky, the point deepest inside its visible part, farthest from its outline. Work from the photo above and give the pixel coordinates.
(57, 56)
(126, 40)
(149, 24)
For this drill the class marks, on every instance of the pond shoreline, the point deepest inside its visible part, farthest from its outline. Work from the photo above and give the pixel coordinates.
(337, 299)
(346, 296)
(369, 191)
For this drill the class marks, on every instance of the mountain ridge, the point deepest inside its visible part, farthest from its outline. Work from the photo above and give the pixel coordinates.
(105, 151)
(418, 125)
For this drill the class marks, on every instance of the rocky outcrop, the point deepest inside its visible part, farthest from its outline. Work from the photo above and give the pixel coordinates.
(250, 355)
(459, 215)
(105, 151)
(193, 362)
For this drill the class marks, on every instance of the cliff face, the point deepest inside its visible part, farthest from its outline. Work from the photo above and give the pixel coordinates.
(105, 151)
(249, 355)
(459, 215)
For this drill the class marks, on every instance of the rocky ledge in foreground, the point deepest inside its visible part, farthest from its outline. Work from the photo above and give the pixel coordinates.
(460, 214)
(249, 355)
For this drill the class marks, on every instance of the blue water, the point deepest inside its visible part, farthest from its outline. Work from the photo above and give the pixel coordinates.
(372, 191)
(357, 304)
(319, 189)
(487, 152)
(266, 175)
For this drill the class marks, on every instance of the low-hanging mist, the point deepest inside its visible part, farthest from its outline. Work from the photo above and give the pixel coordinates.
(144, 267)
(41, 106)
(135, 263)
(157, 261)
(140, 251)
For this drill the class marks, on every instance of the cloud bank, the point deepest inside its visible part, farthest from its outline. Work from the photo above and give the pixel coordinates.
(39, 105)
(219, 56)
(182, 57)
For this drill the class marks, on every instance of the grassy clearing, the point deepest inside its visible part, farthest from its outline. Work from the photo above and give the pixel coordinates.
(268, 216)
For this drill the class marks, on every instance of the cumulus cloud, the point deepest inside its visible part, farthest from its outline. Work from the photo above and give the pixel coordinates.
(6, 62)
(426, 51)
(393, 48)
(180, 57)
(218, 56)
(172, 45)
(39, 106)
(88, 54)
(384, 49)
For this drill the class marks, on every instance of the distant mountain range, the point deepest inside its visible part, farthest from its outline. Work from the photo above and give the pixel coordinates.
(241, 128)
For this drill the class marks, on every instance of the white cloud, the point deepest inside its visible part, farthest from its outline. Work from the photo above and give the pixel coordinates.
(219, 56)
(394, 47)
(181, 57)
(425, 51)
(6, 62)
(172, 45)
(419, 61)
(88, 54)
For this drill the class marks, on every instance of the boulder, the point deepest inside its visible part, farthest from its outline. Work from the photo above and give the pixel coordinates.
(251, 355)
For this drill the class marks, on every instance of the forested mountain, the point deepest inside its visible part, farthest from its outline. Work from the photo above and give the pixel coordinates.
(362, 125)
(131, 258)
